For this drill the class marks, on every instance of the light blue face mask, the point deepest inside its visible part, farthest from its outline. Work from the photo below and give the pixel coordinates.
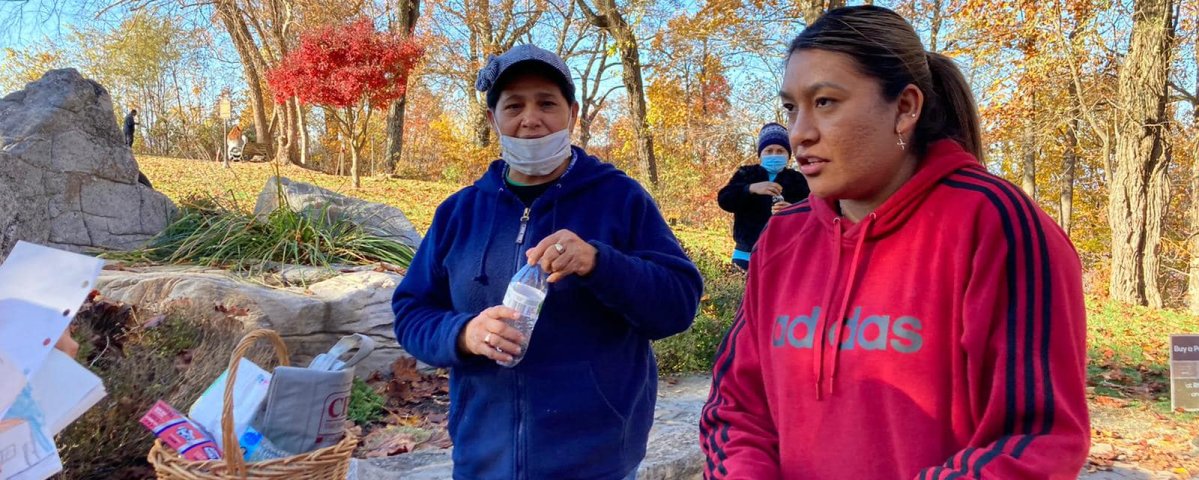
(774, 163)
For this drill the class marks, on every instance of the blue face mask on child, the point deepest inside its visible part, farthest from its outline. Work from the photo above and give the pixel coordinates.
(774, 163)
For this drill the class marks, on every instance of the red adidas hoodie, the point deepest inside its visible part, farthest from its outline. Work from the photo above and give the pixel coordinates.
(962, 351)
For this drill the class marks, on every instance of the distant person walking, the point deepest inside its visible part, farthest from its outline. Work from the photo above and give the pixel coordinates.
(130, 124)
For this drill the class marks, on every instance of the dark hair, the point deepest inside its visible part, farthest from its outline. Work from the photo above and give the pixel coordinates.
(886, 47)
(529, 67)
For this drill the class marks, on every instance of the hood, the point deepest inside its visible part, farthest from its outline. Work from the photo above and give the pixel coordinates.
(944, 157)
(584, 170)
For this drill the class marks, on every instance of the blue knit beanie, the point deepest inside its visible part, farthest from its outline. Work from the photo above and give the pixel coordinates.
(773, 134)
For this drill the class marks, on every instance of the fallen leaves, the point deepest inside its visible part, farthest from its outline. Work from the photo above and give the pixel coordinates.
(1139, 432)
(409, 386)
(417, 403)
(393, 440)
(389, 268)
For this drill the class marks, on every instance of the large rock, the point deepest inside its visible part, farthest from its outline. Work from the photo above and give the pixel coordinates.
(309, 318)
(378, 219)
(67, 180)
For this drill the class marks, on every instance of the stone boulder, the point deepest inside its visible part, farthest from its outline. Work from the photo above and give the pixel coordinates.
(310, 317)
(378, 219)
(67, 180)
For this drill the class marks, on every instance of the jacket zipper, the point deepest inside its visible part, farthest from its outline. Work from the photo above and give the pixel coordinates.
(524, 226)
(520, 418)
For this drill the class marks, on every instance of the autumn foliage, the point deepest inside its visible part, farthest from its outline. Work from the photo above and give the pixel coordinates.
(351, 68)
(343, 65)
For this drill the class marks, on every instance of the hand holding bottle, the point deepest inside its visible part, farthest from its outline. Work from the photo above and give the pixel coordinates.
(490, 334)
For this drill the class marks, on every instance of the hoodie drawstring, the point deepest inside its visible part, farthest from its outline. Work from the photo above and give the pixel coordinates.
(825, 304)
(849, 284)
(554, 209)
(495, 212)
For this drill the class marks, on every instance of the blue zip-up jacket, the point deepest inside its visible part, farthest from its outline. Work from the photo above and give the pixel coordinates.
(581, 403)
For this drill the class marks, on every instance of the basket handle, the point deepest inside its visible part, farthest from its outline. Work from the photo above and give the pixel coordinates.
(234, 464)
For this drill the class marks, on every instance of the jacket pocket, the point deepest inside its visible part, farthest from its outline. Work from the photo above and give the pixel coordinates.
(570, 415)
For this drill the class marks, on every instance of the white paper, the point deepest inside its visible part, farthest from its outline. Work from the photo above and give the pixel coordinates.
(57, 279)
(64, 390)
(28, 332)
(26, 453)
(249, 390)
(40, 291)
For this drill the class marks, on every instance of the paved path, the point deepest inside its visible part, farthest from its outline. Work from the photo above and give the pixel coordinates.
(673, 452)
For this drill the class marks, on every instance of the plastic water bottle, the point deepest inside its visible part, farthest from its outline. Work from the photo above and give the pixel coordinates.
(256, 448)
(526, 293)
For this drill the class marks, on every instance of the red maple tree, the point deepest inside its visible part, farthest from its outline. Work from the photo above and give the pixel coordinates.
(352, 68)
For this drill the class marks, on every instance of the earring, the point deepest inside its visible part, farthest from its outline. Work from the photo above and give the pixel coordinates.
(902, 145)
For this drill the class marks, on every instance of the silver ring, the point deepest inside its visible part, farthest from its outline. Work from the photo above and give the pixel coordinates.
(487, 338)
(559, 248)
(498, 349)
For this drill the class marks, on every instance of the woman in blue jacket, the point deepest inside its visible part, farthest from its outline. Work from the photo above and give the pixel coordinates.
(580, 404)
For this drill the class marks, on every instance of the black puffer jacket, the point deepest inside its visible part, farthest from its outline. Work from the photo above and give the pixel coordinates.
(750, 210)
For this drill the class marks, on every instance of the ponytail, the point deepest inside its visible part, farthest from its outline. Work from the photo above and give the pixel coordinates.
(953, 113)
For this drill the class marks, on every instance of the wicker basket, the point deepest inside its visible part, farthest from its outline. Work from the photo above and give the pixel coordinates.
(329, 463)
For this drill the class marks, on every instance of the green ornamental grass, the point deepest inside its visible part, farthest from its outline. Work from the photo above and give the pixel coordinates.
(211, 233)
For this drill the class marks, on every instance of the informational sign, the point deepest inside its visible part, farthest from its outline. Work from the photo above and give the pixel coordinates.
(226, 108)
(1184, 372)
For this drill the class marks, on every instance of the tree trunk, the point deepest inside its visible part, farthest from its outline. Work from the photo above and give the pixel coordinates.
(482, 128)
(1193, 240)
(235, 26)
(352, 137)
(610, 20)
(341, 152)
(1028, 177)
(1066, 200)
(1029, 147)
(408, 11)
(302, 126)
(1155, 219)
(584, 131)
(287, 147)
(1138, 192)
(934, 34)
(395, 135)
(635, 89)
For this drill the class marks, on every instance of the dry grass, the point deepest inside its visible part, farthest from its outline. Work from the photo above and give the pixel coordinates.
(178, 178)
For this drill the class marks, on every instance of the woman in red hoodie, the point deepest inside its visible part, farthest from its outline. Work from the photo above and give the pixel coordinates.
(917, 317)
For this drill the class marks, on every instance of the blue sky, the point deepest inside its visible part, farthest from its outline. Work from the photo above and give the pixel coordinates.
(25, 24)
